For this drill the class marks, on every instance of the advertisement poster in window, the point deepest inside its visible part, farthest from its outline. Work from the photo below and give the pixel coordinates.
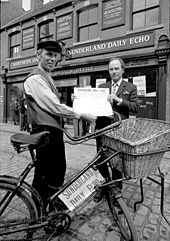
(65, 26)
(113, 13)
(99, 82)
(140, 82)
(28, 38)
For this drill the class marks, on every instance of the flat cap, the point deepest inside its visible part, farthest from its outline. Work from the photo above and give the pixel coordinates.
(49, 45)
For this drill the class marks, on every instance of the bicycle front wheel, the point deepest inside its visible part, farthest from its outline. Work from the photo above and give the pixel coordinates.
(121, 216)
(19, 213)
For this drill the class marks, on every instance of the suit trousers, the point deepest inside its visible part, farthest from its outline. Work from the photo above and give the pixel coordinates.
(102, 122)
(50, 166)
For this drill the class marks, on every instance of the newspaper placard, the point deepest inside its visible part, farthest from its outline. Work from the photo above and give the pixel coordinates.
(81, 188)
(92, 101)
(140, 82)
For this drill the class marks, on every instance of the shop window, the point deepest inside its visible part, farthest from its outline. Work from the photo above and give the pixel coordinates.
(15, 91)
(15, 45)
(146, 80)
(88, 24)
(46, 30)
(145, 13)
(84, 81)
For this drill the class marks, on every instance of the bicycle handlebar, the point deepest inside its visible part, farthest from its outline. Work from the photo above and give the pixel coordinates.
(75, 140)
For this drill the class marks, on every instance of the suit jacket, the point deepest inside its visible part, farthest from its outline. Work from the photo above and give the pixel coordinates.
(128, 92)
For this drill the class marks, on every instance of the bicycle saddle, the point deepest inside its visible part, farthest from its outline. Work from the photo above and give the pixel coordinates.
(26, 139)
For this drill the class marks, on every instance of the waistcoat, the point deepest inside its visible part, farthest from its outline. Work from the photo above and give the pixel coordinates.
(35, 114)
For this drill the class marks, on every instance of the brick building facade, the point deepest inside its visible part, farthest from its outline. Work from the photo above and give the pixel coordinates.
(91, 32)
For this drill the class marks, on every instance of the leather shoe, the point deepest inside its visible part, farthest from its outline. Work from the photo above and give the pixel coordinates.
(98, 195)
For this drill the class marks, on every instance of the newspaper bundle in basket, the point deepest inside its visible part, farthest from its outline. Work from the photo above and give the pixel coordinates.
(142, 141)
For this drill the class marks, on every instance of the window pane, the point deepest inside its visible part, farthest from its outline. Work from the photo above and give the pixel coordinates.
(15, 39)
(93, 32)
(42, 31)
(83, 18)
(152, 17)
(46, 30)
(151, 3)
(138, 5)
(83, 34)
(15, 51)
(139, 20)
(93, 16)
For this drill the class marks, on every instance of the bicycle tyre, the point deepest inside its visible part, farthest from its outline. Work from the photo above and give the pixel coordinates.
(121, 216)
(20, 209)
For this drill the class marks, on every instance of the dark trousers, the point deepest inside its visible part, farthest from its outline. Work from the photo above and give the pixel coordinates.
(102, 122)
(50, 167)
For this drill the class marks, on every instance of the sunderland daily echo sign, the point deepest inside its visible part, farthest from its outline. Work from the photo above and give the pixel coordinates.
(113, 45)
(81, 188)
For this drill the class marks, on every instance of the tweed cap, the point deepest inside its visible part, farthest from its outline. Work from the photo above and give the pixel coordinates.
(49, 45)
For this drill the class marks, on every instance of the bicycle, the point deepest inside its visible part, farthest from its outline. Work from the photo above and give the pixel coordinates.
(22, 210)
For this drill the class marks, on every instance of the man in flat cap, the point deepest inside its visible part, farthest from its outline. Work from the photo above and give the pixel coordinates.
(45, 113)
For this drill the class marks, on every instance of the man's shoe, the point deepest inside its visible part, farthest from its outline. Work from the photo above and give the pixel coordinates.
(98, 195)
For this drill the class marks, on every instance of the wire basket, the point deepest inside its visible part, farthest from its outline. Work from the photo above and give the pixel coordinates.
(142, 141)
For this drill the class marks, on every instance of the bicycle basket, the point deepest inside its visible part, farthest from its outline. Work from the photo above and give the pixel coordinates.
(141, 140)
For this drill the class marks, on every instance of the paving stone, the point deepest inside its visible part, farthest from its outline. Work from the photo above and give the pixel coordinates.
(149, 231)
(98, 237)
(153, 218)
(156, 208)
(139, 220)
(143, 210)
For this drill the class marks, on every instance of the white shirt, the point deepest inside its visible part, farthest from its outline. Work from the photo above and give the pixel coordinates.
(40, 91)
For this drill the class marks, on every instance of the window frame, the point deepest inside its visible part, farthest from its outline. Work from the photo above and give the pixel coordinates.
(87, 25)
(16, 45)
(46, 37)
(145, 11)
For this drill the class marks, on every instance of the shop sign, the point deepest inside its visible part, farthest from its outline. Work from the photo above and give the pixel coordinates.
(65, 26)
(81, 188)
(28, 38)
(113, 45)
(113, 13)
(73, 71)
(65, 82)
(23, 63)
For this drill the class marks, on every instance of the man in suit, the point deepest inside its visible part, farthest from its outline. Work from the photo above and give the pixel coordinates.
(123, 99)
(123, 95)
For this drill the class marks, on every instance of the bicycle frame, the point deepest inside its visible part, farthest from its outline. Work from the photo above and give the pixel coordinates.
(84, 183)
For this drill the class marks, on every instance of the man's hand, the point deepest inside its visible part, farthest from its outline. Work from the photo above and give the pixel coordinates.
(88, 117)
(111, 98)
(73, 97)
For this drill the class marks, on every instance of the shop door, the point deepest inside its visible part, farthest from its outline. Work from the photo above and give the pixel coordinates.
(146, 80)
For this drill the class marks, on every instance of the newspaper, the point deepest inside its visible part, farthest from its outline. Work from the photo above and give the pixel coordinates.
(92, 101)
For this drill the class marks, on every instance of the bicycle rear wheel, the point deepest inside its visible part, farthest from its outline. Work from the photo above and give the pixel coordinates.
(122, 217)
(20, 211)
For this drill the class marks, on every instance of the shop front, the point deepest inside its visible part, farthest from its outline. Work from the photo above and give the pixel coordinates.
(146, 67)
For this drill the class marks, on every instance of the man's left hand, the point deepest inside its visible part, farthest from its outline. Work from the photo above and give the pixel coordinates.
(113, 97)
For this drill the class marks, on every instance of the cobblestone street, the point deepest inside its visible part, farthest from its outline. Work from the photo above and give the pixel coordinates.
(91, 222)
